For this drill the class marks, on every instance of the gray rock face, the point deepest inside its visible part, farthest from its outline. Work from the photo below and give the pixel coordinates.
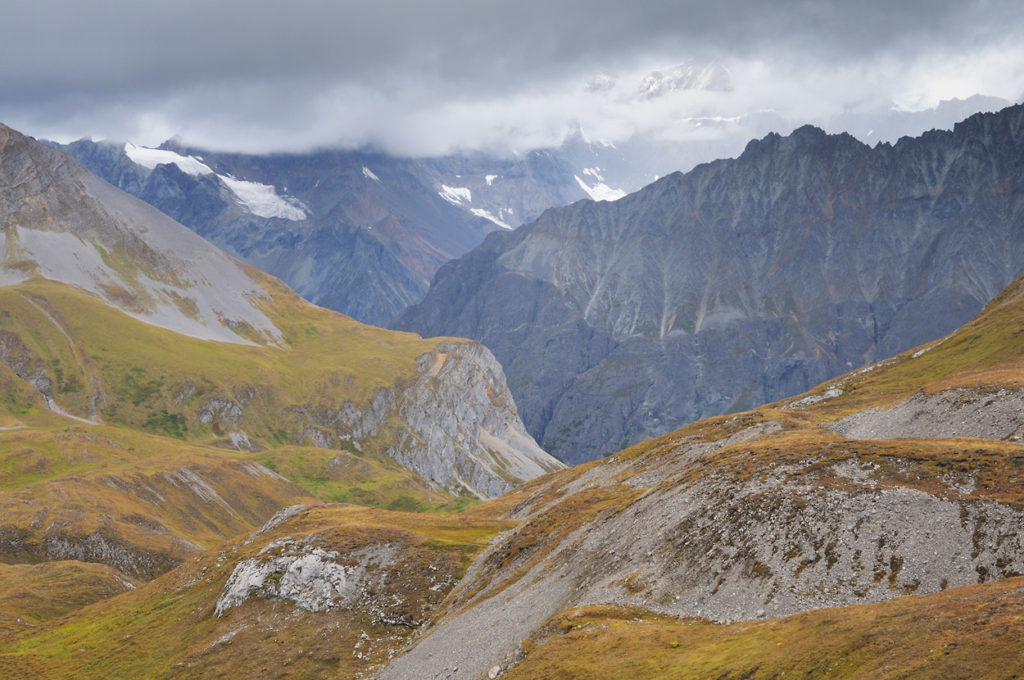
(458, 424)
(313, 578)
(462, 428)
(740, 282)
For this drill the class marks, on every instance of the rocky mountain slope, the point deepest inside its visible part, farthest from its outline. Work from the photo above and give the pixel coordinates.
(739, 282)
(768, 513)
(152, 385)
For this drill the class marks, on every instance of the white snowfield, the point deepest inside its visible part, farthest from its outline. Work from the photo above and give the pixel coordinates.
(150, 158)
(261, 200)
(600, 191)
(456, 195)
(488, 215)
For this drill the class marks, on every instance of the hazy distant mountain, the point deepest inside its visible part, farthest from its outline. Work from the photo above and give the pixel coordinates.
(740, 282)
(353, 232)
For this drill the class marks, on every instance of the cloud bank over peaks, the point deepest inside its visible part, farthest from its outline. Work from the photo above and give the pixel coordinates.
(427, 78)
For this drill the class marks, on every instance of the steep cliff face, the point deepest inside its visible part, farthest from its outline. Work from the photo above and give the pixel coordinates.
(739, 282)
(455, 424)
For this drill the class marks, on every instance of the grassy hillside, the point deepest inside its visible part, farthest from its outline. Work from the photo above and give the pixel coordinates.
(169, 627)
(969, 632)
(101, 362)
(33, 594)
(752, 502)
(986, 354)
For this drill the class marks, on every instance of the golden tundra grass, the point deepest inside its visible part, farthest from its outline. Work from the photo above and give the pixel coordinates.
(969, 632)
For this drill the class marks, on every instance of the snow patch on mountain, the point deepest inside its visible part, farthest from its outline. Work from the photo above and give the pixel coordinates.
(490, 179)
(263, 200)
(600, 191)
(368, 174)
(487, 215)
(456, 195)
(150, 158)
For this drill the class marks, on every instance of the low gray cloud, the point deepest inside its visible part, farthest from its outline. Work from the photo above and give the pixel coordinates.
(430, 76)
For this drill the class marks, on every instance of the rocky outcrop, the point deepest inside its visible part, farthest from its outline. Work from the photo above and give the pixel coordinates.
(317, 579)
(740, 282)
(461, 425)
(455, 424)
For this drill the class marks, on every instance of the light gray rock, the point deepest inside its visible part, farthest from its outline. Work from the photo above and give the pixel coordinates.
(952, 413)
(307, 575)
(459, 424)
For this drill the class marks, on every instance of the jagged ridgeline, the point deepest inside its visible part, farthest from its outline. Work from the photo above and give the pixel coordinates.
(158, 395)
(740, 282)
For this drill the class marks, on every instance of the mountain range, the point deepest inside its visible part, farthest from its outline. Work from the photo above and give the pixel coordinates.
(739, 282)
(364, 232)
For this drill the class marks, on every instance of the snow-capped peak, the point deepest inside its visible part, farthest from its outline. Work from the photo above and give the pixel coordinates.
(150, 158)
(261, 200)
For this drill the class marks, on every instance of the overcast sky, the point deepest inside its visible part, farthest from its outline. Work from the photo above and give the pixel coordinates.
(430, 76)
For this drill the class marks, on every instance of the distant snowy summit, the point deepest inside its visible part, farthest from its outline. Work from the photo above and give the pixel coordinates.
(261, 200)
